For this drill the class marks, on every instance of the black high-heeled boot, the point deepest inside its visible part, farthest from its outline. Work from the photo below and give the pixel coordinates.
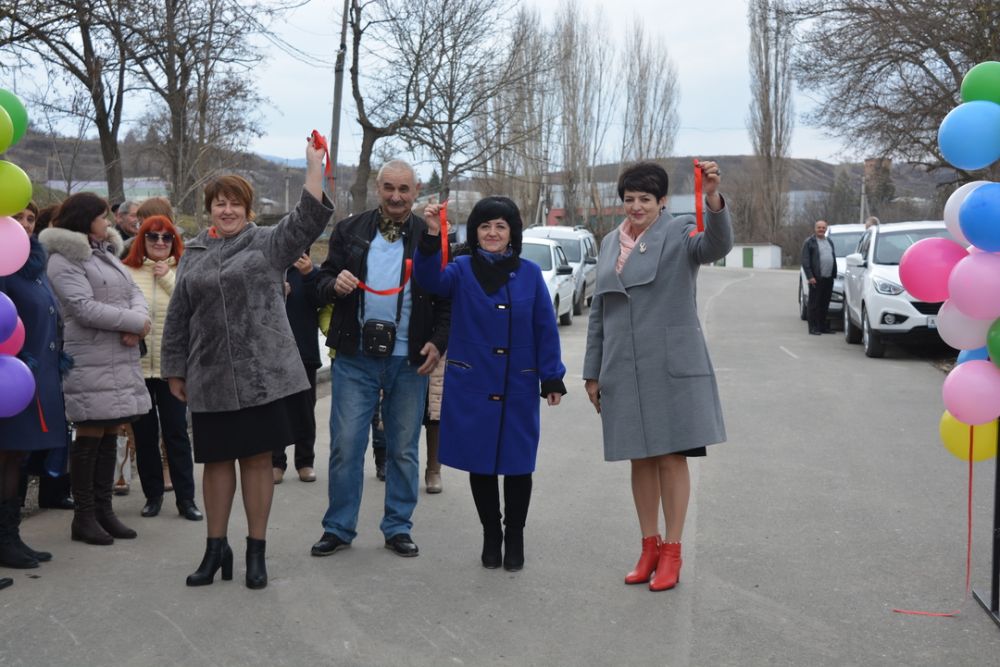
(256, 567)
(486, 495)
(217, 554)
(517, 497)
(492, 544)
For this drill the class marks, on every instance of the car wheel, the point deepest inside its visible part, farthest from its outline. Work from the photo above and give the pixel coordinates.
(578, 305)
(874, 347)
(852, 334)
(566, 318)
(803, 302)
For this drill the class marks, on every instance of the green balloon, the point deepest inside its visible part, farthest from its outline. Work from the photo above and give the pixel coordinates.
(6, 130)
(15, 189)
(982, 83)
(993, 342)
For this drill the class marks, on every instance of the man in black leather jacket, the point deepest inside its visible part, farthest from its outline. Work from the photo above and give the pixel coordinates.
(819, 262)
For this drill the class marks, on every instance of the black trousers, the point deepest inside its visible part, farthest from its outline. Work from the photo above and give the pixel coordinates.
(819, 303)
(516, 498)
(305, 427)
(169, 416)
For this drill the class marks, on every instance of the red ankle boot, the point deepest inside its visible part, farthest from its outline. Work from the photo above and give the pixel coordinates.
(668, 569)
(647, 561)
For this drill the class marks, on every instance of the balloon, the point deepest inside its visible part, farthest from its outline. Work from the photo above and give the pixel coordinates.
(982, 83)
(14, 342)
(969, 355)
(925, 266)
(17, 386)
(971, 392)
(979, 217)
(955, 437)
(969, 136)
(993, 340)
(8, 316)
(974, 286)
(959, 330)
(952, 207)
(14, 246)
(12, 104)
(15, 188)
(6, 130)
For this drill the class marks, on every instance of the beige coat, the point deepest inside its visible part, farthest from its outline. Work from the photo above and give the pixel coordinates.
(157, 292)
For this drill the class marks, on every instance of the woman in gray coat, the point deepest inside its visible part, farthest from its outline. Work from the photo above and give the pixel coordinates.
(646, 369)
(228, 351)
(105, 317)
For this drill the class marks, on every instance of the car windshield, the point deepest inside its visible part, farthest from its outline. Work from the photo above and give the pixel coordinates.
(845, 244)
(571, 247)
(890, 246)
(539, 254)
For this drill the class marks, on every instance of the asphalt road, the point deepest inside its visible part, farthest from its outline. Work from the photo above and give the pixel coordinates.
(831, 504)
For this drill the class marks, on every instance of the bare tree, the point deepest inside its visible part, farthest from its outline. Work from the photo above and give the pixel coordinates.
(649, 115)
(770, 120)
(887, 73)
(84, 41)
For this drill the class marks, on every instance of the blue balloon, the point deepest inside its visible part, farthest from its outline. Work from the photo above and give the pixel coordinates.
(969, 136)
(17, 386)
(980, 353)
(8, 317)
(979, 217)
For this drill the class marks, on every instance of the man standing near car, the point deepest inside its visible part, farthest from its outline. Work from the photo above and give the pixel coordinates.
(819, 263)
(388, 340)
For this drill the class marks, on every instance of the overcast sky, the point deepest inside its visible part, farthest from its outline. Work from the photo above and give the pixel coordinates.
(709, 49)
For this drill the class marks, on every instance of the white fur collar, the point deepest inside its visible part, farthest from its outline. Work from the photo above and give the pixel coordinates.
(75, 246)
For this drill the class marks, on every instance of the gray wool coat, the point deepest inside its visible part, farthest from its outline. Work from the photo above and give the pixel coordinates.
(645, 345)
(99, 301)
(226, 331)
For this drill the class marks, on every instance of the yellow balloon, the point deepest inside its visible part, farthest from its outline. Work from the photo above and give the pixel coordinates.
(15, 188)
(6, 130)
(955, 437)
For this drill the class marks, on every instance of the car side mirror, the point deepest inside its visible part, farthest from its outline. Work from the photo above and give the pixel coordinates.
(855, 259)
(590, 260)
(564, 270)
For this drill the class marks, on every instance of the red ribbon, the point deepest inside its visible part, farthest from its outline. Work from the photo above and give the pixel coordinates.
(444, 234)
(393, 290)
(968, 550)
(699, 204)
(319, 143)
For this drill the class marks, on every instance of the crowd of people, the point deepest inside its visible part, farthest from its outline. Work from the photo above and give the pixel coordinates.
(132, 327)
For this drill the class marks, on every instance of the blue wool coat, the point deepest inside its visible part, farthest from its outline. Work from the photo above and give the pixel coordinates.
(41, 425)
(501, 349)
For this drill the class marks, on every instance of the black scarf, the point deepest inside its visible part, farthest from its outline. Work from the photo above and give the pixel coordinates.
(493, 275)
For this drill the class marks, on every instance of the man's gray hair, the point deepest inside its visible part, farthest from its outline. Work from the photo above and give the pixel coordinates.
(396, 165)
(126, 205)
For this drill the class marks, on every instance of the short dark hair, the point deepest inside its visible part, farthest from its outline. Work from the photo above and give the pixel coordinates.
(644, 177)
(77, 212)
(491, 208)
(233, 186)
(45, 216)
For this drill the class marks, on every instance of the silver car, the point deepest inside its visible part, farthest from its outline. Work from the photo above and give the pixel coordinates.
(581, 252)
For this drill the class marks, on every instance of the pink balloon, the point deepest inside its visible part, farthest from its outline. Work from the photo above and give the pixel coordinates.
(959, 330)
(974, 286)
(971, 392)
(15, 341)
(14, 246)
(926, 265)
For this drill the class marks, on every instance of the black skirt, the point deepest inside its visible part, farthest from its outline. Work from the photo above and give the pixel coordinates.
(237, 434)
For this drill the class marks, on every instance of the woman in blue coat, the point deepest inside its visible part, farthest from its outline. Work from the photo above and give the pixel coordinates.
(42, 425)
(503, 348)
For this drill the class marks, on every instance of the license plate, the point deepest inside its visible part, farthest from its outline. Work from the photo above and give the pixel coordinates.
(932, 322)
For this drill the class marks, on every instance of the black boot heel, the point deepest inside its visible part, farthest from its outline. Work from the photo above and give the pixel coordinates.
(256, 567)
(217, 555)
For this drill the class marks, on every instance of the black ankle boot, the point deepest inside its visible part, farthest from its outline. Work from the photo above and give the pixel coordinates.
(11, 554)
(513, 548)
(256, 567)
(492, 542)
(217, 554)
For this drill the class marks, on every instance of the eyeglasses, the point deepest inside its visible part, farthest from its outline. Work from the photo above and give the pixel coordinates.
(153, 237)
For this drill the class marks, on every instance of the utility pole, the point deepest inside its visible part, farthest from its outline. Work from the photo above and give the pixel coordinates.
(863, 200)
(338, 88)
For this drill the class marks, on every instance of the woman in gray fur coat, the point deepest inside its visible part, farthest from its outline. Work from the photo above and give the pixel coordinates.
(105, 318)
(228, 351)
(646, 368)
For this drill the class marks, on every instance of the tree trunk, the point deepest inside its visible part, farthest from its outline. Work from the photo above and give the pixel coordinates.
(112, 156)
(359, 189)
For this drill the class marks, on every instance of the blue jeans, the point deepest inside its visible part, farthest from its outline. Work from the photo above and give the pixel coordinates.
(356, 381)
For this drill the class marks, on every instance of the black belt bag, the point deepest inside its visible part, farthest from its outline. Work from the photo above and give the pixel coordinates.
(378, 338)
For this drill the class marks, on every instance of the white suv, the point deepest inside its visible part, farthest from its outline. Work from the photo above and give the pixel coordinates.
(845, 240)
(876, 307)
(581, 251)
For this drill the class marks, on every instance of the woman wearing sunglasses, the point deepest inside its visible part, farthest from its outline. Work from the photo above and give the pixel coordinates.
(152, 259)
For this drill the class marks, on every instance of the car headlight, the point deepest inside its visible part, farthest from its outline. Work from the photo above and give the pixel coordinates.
(883, 286)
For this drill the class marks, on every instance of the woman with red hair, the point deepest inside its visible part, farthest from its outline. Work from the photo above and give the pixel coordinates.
(153, 259)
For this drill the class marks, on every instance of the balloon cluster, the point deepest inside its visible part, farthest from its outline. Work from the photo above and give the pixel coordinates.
(17, 383)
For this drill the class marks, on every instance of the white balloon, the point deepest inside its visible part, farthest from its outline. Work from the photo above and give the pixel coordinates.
(952, 207)
(959, 330)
